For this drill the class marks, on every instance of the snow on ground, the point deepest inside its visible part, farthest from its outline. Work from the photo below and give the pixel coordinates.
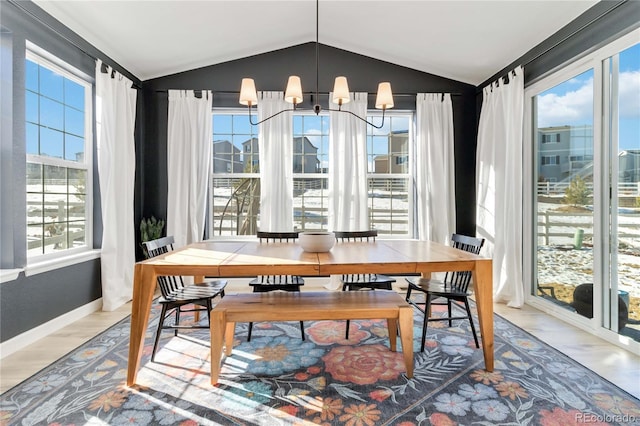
(574, 267)
(559, 262)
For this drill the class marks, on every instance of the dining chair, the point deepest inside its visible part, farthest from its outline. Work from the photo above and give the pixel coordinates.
(454, 289)
(176, 296)
(267, 283)
(366, 281)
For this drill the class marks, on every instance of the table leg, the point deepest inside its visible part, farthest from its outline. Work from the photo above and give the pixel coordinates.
(218, 328)
(196, 314)
(144, 284)
(483, 288)
(427, 308)
(392, 328)
(229, 334)
(406, 337)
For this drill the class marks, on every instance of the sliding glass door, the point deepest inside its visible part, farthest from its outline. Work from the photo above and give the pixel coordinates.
(563, 120)
(621, 91)
(583, 124)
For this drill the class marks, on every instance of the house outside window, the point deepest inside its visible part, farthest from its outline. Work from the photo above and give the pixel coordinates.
(59, 138)
(551, 138)
(236, 194)
(548, 160)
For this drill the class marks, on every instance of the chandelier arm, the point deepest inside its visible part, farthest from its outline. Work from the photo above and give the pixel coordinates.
(268, 118)
(359, 118)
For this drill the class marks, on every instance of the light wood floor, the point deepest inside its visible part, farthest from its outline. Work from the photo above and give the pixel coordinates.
(615, 364)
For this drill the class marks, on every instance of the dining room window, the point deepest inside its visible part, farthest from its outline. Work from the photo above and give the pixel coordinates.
(235, 183)
(310, 168)
(389, 174)
(59, 156)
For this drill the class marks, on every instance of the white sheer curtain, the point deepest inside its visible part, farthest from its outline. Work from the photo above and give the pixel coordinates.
(499, 184)
(116, 115)
(188, 161)
(275, 148)
(435, 174)
(348, 167)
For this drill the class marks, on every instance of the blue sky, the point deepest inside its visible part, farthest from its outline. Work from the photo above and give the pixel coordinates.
(55, 114)
(571, 102)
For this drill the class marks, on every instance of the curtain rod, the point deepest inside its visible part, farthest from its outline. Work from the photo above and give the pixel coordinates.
(573, 33)
(505, 71)
(63, 36)
(231, 92)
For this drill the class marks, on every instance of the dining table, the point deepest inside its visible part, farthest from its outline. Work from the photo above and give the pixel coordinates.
(248, 258)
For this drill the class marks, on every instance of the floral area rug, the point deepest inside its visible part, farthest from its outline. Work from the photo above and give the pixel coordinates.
(278, 379)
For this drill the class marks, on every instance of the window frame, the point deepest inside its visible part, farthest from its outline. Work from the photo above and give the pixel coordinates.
(47, 261)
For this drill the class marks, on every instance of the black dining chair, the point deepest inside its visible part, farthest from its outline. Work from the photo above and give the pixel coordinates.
(366, 281)
(267, 283)
(178, 297)
(453, 291)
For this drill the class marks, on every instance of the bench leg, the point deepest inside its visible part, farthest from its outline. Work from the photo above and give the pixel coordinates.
(218, 328)
(392, 330)
(406, 336)
(228, 337)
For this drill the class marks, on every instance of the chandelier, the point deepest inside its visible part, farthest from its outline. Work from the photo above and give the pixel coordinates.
(293, 93)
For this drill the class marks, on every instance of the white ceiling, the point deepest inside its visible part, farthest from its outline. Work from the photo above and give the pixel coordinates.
(465, 40)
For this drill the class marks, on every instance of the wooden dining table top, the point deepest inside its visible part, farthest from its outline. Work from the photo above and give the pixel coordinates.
(248, 258)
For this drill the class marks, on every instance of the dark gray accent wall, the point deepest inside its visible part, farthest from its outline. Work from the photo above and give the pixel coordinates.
(271, 71)
(31, 301)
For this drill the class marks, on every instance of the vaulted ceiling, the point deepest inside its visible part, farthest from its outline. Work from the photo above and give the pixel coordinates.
(463, 40)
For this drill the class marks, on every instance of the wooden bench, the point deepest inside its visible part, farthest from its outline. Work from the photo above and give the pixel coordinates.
(310, 306)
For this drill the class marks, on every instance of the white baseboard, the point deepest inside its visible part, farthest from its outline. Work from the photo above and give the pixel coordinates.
(31, 336)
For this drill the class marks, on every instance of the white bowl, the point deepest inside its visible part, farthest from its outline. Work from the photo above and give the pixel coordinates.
(316, 241)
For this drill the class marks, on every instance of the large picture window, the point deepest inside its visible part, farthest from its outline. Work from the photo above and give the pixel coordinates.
(58, 152)
(236, 181)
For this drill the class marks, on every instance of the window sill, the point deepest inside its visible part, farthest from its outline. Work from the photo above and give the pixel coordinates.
(7, 275)
(49, 265)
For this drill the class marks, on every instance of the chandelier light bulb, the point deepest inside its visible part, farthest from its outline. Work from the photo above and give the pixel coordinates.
(293, 93)
(248, 94)
(341, 94)
(384, 99)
